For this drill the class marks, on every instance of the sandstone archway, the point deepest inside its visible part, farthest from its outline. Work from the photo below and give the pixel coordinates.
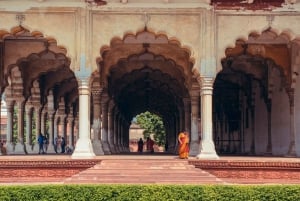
(146, 72)
(254, 96)
(35, 73)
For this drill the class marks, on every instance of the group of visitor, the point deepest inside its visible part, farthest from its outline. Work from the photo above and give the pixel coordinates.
(43, 143)
(60, 144)
(149, 145)
(183, 145)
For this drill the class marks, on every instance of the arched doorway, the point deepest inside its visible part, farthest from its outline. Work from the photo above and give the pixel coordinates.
(254, 97)
(145, 72)
(36, 76)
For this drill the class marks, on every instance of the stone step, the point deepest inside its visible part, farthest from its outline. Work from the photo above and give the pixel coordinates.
(144, 171)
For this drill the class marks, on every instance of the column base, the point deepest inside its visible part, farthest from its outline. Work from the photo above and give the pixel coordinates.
(194, 148)
(50, 149)
(20, 149)
(29, 149)
(106, 148)
(9, 148)
(208, 151)
(292, 150)
(112, 148)
(97, 147)
(117, 149)
(208, 156)
(83, 149)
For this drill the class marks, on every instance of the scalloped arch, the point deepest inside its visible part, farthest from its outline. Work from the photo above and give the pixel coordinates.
(20, 31)
(142, 42)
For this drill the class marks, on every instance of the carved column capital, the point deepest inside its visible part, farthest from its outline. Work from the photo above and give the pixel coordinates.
(207, 85)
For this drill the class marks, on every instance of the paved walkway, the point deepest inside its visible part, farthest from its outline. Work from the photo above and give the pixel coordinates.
(101, 170)
(146, 157)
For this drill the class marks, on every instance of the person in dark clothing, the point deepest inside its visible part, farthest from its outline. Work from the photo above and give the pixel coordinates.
(140, 145)
(63, 145)
(41, 144)
(150, 144)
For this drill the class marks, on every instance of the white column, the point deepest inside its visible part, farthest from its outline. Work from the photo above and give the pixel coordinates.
(20, 147)
(84, 148)
(116, 129)
(104, 131)
(39, 124)
(292, 149)
(187, 114)
(51, 114)
(29, 130)
(96, 141)
(194, 144)
(110, 127)
(9, 135)
(69, 132)
(207, 150)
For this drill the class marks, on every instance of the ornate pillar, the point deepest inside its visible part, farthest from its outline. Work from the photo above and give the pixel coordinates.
(104, 131)
(29, 129)
(96, 141)
(84, 148)
(269, 140)
(20, 146)
(187, 115)
(207, 150)
(9, 135)
(38, 128)
(110, 127)
(115, 130)
(69, 132)
(292, 150)
(43, 122)
(50, 148)
(194, 143)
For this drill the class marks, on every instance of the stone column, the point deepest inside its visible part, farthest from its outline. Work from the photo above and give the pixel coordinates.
(69, 132)
(43, 122)
(194, 141)
(96, 141)
(50, 148)
(20, 147)
(84, 148)
(38, 127)
(292, 150)
(110, 127)
(104, 131)
(119, 133)
(9, 135)
(187, 115)
(116, 130)
(269, 140)
(207, 145)
(28, 143)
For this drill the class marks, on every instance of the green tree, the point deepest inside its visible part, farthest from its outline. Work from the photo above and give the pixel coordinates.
(152, 124)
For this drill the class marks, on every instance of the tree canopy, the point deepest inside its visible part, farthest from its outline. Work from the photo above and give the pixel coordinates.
(152, 124)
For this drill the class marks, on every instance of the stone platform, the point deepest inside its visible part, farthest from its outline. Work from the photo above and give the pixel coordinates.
(147, 169)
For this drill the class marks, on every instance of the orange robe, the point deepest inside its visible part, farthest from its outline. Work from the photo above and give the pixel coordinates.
(183, 148)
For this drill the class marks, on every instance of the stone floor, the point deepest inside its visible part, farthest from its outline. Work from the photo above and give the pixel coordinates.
(147, 169)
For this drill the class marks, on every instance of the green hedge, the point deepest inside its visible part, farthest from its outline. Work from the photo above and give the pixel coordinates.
(150, 192)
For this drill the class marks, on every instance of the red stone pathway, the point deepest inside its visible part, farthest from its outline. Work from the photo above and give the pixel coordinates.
(149, 169)
(144, 171)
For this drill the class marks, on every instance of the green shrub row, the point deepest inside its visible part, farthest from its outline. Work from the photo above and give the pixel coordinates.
(150, 192)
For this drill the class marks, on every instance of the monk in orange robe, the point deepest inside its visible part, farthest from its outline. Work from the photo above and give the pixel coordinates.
(183, 149)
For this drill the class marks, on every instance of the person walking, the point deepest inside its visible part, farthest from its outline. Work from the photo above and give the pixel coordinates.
(140, 145)
(41, 144)
(183, 142)
(150, 144)
(63, 145)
